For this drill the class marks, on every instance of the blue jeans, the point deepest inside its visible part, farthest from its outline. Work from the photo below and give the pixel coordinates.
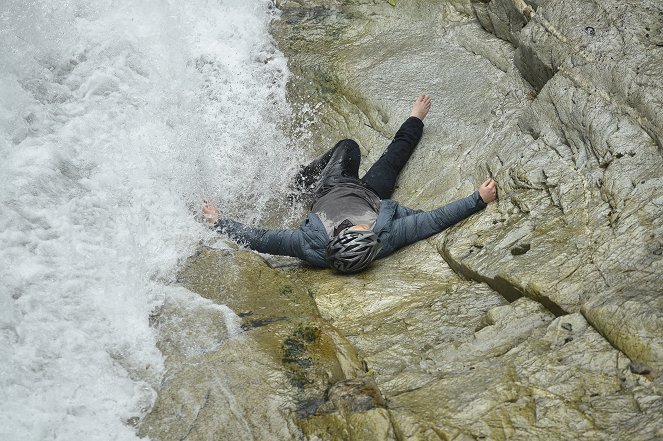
(341, 164)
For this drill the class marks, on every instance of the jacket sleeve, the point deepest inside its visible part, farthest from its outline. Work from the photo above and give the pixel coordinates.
(287, 242)
(410, 229)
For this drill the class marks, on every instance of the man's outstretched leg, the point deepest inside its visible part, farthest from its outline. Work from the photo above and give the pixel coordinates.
(342, 160)
(343, 165)
(310, 174)
(382, 176)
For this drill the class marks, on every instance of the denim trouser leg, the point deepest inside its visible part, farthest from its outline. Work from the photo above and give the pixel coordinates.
(341, 161)
(343, 164)
(382, 176)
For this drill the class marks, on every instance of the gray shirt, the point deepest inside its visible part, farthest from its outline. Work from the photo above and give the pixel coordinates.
(348, 201)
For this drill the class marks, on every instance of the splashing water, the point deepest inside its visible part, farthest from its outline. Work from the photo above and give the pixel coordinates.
(115, 119)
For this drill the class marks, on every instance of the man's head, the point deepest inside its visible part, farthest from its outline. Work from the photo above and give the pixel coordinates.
(353, 249)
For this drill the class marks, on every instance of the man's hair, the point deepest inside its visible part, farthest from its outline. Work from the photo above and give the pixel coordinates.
(353, 251)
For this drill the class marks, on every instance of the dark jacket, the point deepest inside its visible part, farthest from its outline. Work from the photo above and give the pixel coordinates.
(396, 226)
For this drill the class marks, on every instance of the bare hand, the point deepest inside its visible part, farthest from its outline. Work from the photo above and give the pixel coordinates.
(488, 191)
(210, 213)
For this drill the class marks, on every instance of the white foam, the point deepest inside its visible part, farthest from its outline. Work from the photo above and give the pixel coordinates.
(115, 119)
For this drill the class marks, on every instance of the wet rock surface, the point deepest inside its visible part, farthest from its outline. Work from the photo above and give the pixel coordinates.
(455, 360)
(538, 318)
(249, 357)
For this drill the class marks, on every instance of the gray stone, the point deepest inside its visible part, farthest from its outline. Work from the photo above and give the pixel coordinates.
(539, 318)
(574, 165)
(278, 372)
(582, 180)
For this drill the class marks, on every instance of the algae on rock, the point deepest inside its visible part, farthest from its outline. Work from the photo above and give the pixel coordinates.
(248, 357)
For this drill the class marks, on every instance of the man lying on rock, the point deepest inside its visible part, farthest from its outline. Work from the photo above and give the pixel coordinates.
(352, 220)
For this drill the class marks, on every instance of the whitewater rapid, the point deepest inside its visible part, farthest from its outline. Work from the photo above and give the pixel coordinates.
(116, 119)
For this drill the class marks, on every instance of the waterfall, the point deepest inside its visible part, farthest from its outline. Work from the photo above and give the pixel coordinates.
(116, 120)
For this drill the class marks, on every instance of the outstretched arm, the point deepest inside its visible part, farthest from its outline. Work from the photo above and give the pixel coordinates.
(286, 242)
(279, 242)
(410, 229)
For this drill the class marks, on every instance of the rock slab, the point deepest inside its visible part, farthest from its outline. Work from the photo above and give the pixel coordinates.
(538, 319)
